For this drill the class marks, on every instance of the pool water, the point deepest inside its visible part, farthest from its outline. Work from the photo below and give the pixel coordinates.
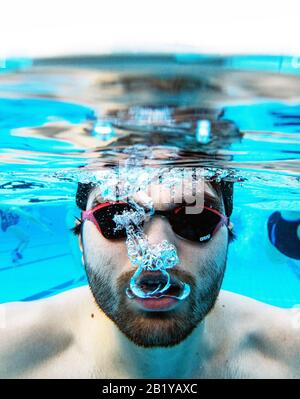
(237, 117)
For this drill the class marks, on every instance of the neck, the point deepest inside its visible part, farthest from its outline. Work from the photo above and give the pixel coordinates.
(179, 361)
(124, 359)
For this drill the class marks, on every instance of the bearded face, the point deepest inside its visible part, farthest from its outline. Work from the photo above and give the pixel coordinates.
(109, 270)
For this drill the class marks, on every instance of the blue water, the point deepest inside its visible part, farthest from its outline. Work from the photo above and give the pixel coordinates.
(52, 114)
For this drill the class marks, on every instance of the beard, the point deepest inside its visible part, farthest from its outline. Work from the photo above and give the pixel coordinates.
(157, 329)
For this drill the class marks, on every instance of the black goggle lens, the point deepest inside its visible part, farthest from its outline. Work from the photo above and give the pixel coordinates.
(104, 217)
(194, 227)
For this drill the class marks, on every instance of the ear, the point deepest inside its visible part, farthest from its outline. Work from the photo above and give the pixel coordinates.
(81, 247)
(231, 234)
(80, 242)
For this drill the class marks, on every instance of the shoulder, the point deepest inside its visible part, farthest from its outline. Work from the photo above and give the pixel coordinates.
(271, 331)
(31, 332)
(46, 310)
(247, 317)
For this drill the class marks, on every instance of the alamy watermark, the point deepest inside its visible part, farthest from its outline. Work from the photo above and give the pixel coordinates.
(165, 186)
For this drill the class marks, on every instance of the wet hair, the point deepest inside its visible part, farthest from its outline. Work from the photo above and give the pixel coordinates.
(82, 194)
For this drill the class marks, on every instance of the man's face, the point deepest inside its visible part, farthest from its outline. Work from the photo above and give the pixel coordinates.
(201, 265)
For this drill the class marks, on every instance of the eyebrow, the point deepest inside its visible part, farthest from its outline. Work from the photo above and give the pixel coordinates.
(97, 200)
(209, 199)
(213, 201)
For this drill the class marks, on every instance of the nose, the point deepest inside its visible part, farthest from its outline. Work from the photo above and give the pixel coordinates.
(158, 229)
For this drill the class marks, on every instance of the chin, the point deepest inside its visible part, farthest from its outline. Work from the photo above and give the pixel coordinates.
(156, 329)
(165, 333)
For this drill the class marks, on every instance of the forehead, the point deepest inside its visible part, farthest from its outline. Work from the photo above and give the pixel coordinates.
(162, 193)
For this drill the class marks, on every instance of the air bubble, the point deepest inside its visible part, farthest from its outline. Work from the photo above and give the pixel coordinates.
(135, 177)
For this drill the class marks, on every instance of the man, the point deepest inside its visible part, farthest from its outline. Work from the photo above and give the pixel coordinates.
(9, 223)
(98, 331)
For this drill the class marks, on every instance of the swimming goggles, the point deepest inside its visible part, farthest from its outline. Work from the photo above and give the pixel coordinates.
(199, 227)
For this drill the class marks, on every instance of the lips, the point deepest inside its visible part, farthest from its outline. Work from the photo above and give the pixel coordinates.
(148, 282)
(157, 304)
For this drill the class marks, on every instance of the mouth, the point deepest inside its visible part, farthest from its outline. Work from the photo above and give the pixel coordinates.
(151, 282)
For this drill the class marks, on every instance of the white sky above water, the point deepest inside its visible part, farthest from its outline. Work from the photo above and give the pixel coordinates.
(56, 27)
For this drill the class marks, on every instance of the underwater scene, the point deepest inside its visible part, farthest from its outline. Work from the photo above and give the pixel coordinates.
(66, 122)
